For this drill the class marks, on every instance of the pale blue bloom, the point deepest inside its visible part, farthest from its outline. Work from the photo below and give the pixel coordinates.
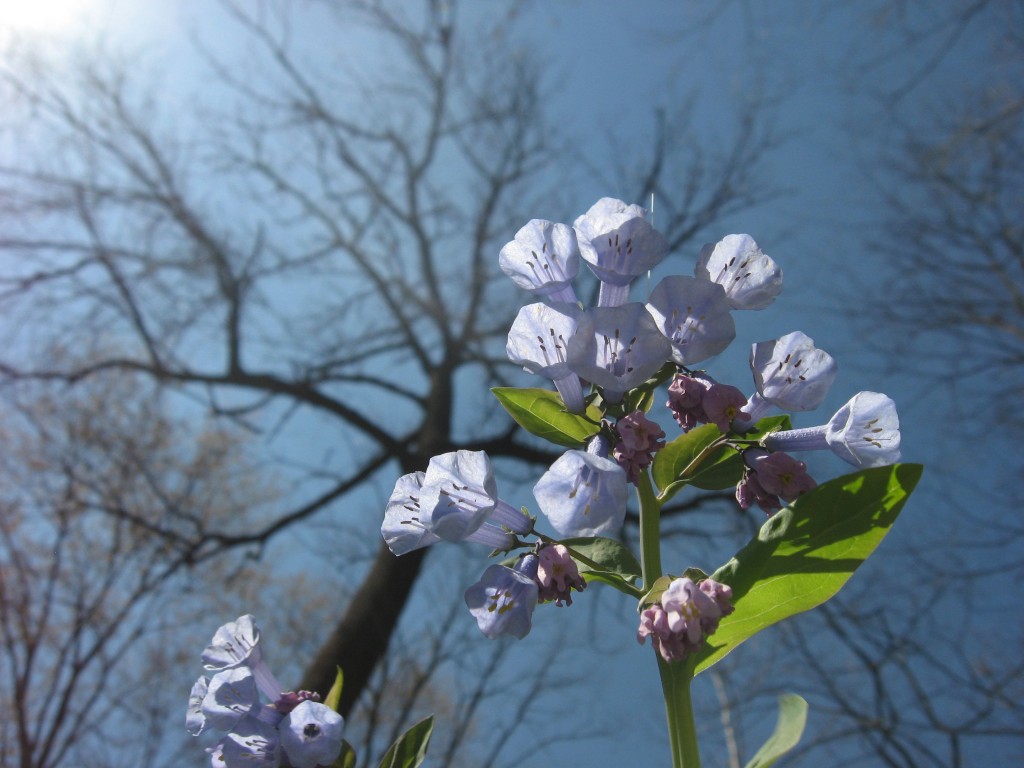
(237, 643)
(231, 696)
(617, 348)
(694, 315)
(195, 720)
(403, 528)
(583, 494)
(502, 602)
(751, 279)
(311, 735)
(537, 341)
(789, 373)
(865, 433)
(455, 500)
(543, 259)
(251, 744)
(617, 243)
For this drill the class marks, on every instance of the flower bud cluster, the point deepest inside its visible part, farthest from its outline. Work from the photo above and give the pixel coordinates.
(293, 729)
(686, 613)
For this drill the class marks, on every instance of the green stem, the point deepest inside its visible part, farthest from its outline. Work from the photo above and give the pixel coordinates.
(675, 676)
(682, 728)
(650, 530)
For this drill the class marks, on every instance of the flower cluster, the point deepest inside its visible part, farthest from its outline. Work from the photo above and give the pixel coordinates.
(686, 613)
(605, 362)
(293, 729)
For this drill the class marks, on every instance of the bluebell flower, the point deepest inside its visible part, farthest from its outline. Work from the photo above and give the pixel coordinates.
(583, 494)
(543, 259)
(790, 373)
(537, 341)
(694, 315)
(617, 243)
(617, 348)
(751, 279)
(311, 735)
(865, 433)
(502, 602)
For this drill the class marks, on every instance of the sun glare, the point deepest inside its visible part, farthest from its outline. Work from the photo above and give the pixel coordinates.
(40, 15)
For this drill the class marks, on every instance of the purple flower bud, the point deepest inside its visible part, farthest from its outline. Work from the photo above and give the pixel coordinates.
(289, 700)
(502, 602)
(639, 439)
(543, 259)
(791, 373)
(618, 243)
(780, 474)
(694, 315)
(617, 348)
(557, 575)
(583, 494)
(750, 492)
(685, 615)
(685, 398)
(722, 405)
(751, 279)
(311, 735)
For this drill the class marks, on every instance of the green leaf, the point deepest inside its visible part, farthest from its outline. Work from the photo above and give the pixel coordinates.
(672, 460)
(787, 733)
(541, 412)
(411, 748)
(608, 555)
(346, 758)
(334, 695)
(806, 552)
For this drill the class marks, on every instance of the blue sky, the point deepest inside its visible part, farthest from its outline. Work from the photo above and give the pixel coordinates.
(821, 66)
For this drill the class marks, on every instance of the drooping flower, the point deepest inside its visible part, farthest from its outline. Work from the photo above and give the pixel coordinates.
(639, 439)
(751, 279)
(195, 720)
(460, 495)
(865, 433)
(311, 735)
(617, 243)
(694, 315)
(543, 259)
(252, 743)
(750, 492)
(455, 500)
(502, 602)
(685, 614)
(232, 695)
(723, 404)
(403, 528)
(617, 348)
(790, 373)
(583, 494)
(237, 643)
(538, 340)
(557, 575)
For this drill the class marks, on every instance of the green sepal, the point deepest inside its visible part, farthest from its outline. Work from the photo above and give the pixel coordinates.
(411, 748)
(334, 695)
(642, 398)
(653, 595)
(611, 562)
(541, 412)
(346, 758)
(788, 730)
(807, 551)
(722, 469)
